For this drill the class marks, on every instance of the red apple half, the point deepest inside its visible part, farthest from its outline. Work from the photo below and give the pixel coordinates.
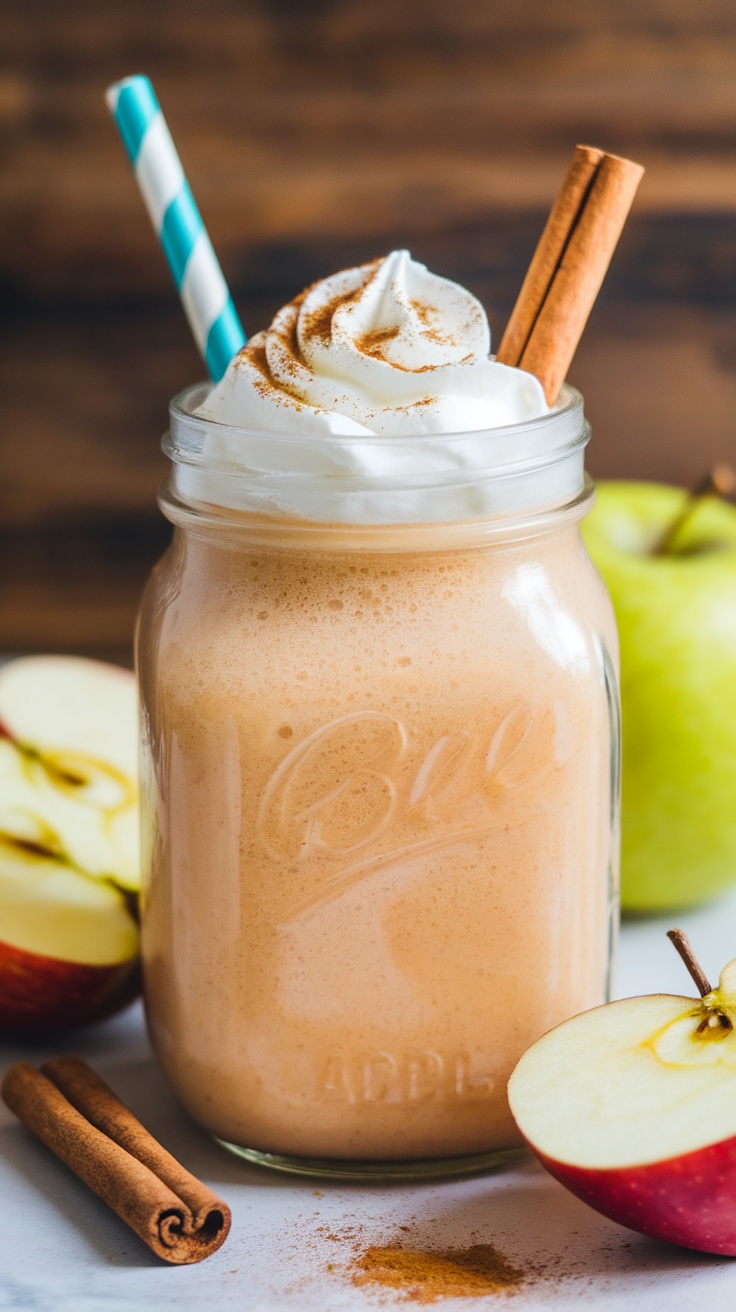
(69, 850)
(68, 945)
(632, 1107)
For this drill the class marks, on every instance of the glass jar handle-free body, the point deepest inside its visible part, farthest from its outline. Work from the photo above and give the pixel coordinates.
(380, 770)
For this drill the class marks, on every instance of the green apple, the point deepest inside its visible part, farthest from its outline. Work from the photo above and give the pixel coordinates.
(676, 614)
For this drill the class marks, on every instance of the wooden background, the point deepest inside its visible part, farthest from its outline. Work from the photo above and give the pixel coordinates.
(316, 134)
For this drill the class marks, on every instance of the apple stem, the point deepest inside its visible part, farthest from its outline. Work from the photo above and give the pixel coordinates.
(715, 1018)
(681, 942)
(720, 482)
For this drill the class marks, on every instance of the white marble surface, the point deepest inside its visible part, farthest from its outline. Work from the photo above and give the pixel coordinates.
(62, 1251)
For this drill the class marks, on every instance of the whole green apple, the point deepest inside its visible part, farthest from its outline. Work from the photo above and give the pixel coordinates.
(676, 614)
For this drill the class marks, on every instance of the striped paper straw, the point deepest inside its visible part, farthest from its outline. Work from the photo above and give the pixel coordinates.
(168, 198)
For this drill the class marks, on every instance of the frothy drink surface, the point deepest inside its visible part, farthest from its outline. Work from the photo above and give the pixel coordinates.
(379, 814)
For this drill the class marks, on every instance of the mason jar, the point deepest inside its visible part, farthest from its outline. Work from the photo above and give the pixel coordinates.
(380, 785)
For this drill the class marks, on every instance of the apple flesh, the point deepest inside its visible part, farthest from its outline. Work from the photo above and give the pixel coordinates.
(676, 616)
(68, 763)
(68, 707)
(69, 850)
(90, 820)
(632, 1106)
(52, 909)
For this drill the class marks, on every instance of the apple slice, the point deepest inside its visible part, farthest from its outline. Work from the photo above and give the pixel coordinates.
(68, 945)
(632, 1106)
(65, 707)
(68, 762)
(65, 818)
(55, 911)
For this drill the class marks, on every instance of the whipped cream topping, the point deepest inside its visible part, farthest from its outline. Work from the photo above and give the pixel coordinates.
(386, 350)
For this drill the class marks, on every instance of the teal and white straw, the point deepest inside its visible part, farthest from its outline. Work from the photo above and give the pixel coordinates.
(168, 198)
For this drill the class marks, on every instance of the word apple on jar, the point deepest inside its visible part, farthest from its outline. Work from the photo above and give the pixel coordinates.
(669, 563)
(632, 1106)
(69, 862)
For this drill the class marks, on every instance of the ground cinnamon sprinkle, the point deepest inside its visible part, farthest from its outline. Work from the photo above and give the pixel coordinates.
(431, 1275)
(319, 323)
(428, 316)
(373, 342)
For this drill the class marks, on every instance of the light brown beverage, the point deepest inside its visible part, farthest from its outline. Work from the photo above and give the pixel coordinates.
(379, 804)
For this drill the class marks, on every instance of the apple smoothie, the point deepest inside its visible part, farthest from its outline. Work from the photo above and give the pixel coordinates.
(379, 725)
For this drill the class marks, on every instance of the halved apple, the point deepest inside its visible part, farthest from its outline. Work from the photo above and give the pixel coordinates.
(69, 850)
(68, 945)
(68, 762)
(632, 1106)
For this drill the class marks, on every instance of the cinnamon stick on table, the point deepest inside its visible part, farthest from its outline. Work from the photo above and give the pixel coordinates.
(569, 265)
(80, 1119)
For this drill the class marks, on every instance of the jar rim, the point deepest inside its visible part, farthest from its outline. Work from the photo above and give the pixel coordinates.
(185, 420)
(368, 479)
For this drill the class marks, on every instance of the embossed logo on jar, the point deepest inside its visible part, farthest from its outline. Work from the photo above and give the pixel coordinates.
(335, 790)
(357, 780)
(405, 1080)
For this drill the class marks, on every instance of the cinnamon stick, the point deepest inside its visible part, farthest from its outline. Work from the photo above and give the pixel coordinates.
(569, 266)
(551, 247)
(81, 1120)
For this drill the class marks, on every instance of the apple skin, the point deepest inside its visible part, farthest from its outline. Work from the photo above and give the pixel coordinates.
(688, 1200)
(42, 995)
(676, 616)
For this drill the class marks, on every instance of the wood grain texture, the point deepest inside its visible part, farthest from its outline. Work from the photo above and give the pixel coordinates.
(317, 135)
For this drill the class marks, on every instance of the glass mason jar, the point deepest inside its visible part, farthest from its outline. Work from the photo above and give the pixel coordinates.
(380, 783)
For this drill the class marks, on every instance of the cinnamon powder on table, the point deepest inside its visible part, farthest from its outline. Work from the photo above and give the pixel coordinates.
(430, 1275)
